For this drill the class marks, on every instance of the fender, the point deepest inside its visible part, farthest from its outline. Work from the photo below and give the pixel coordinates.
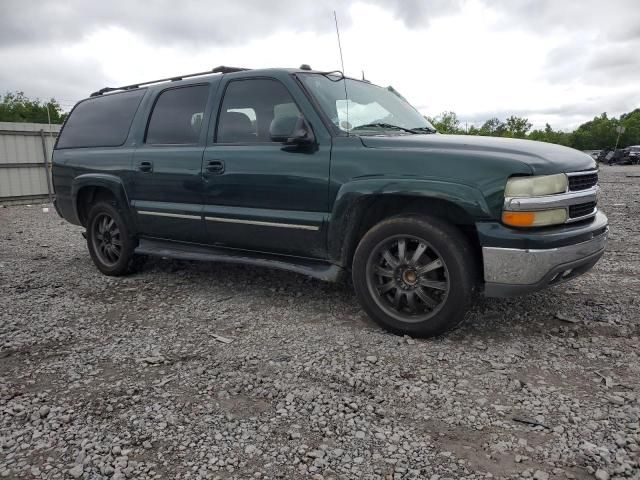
(354, 197)
(110, 182)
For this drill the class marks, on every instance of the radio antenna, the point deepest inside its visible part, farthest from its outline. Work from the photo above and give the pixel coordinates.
(344, 80)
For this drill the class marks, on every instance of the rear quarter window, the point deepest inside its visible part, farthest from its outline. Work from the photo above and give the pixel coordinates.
(101, 121)
(177, 116)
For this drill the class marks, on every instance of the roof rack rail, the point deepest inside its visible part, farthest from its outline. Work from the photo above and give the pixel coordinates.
(221, 69)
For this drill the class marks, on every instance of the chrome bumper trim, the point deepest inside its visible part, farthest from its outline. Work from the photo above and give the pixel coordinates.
(512, 266)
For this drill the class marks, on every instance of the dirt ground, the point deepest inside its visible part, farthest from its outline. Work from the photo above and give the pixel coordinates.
(128, 377)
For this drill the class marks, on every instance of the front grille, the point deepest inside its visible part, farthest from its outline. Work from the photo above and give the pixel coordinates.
(583, 182)
(582, 209)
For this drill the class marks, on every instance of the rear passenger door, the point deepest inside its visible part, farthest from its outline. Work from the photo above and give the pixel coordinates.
(260, 194)
(167, 182)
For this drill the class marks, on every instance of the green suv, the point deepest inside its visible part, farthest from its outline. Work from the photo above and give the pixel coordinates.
(326, 176)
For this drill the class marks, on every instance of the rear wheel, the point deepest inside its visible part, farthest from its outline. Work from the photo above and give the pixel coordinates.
(110, 245)
(415, 275)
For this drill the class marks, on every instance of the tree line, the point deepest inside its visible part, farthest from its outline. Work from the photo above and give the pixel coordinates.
(595, 134)
(16, 107)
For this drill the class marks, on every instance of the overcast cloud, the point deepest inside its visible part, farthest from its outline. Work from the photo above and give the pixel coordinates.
(552, 61)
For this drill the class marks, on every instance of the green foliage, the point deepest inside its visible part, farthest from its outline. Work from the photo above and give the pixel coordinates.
(593, 135)
(493, 128)
(597, 133)
(473, 130)
(513, 127)
(631, 122)
(446, 122)
(550, 135)
(15, 107)
(601, 132)
(517, 127)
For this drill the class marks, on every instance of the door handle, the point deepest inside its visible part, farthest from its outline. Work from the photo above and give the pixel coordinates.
(215, 167)
(145, 166)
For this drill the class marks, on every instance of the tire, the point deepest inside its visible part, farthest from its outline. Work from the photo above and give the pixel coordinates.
(415, 275)
(109, 241)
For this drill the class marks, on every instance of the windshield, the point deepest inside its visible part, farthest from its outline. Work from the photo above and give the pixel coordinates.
(369, 108)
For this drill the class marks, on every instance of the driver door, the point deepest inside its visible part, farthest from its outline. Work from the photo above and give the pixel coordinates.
(260, 194)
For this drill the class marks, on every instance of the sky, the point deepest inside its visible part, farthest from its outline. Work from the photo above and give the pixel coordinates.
(553, 61)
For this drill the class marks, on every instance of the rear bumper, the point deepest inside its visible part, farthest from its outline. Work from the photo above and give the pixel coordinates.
(512, 271)
(55, 206)
(64, 206)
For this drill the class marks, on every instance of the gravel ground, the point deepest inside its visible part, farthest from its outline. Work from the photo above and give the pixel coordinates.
(131, 378)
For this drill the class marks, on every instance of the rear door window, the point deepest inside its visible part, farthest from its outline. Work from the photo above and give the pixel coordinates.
(101, 121)
(177, 116)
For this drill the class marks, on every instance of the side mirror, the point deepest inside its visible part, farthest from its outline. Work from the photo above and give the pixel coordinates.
(291, 131)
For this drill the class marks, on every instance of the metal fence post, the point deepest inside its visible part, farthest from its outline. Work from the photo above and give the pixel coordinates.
(46, 166)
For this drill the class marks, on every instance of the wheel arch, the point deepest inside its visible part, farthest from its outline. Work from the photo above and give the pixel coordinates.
(87, 189)
(355, 212)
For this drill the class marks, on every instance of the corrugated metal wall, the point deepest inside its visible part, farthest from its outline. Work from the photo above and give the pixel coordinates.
(24, 175)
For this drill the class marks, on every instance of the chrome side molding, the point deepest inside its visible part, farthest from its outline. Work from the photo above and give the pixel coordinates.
(171, 215)
(262, 223)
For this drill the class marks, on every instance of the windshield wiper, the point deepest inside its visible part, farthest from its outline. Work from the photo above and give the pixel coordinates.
(424, 130)
(387, 126)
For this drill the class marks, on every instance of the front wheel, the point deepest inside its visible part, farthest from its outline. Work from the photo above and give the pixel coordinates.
(415, 275)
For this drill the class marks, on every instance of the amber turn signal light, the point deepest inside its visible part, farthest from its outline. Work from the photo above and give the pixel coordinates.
(535, 219)
(518, 219)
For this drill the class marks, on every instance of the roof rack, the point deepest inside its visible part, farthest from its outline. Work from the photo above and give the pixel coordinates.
(221, 69)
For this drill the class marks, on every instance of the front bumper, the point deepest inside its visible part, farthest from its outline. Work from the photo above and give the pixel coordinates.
(512, 271)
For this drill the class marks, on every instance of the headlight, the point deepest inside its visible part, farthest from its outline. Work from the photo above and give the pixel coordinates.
(536, 186)
(535, 219)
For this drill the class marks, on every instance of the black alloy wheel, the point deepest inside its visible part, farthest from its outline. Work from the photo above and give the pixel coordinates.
(107, 240)
(407, 278)
(110, 244)
(415, 275)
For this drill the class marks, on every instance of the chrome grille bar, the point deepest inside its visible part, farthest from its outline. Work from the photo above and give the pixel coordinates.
(547, 202)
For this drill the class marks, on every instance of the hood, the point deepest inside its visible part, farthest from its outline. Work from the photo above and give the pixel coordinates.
(543, 158)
